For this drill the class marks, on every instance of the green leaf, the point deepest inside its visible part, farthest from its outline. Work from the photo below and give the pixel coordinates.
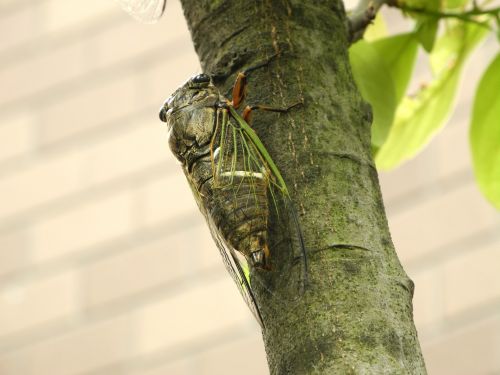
(399, 53)
(454, 4)
(454, 45)
(485, 133)
(375, 82)
(419, 117)
(389, 60)
(376, 30)
(422, 4)
(426, 31)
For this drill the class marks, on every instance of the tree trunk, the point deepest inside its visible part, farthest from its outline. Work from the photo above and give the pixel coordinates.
(355, 314)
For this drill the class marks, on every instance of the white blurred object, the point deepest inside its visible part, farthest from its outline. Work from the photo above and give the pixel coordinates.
(148, 11)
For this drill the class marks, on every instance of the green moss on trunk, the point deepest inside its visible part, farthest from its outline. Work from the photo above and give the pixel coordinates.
(356, 315)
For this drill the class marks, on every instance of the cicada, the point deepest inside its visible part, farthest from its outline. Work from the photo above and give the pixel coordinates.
(234, 180)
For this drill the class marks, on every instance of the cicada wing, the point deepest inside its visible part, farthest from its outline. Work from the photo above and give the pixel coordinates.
(236, 267)
(297, 240)
(237, 163)
(246, 192)
(242, 162)
(257, 160)
(147, 11)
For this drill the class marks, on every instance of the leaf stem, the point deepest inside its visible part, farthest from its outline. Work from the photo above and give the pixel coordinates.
(464, 16)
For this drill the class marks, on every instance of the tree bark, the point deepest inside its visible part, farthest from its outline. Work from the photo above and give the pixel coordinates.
(355, 315)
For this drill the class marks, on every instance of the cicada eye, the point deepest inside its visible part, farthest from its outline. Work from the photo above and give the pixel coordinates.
(201, 78)
(165, 111)
(163, 114)
(166, 108)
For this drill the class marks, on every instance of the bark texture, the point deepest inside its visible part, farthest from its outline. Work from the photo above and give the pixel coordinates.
(355, 316)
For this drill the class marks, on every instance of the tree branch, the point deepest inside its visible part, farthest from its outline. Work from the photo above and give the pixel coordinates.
(354, 316)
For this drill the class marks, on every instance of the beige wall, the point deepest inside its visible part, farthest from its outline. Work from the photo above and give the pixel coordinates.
(106, 266)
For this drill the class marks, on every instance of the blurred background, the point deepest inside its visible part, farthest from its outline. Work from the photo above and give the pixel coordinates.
(106, 265)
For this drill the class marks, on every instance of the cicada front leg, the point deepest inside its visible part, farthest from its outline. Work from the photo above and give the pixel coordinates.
(239, 91)
(240, 84)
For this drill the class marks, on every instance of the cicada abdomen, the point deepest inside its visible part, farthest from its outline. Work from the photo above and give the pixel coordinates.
(231, 175)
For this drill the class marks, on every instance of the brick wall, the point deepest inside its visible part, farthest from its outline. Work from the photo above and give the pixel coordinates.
(103, 272)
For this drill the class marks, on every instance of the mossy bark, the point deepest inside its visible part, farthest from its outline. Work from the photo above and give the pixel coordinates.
(355, 316)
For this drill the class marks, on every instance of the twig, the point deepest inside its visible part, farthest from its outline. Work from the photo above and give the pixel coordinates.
(361, 17)
(465, 16)
(366, 10)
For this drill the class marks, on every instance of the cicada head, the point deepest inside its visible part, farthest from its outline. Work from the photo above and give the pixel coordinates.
(190, 115)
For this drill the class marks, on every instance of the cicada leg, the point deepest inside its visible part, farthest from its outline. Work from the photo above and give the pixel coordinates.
(240, 85)
(248, 110)
(239, 90)
(261, 258)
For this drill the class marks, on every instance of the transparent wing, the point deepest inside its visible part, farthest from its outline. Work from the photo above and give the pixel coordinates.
(238, 157)
(242, 164)
(239, 211)
(147, 11)
(236, 267)
(256, 159)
